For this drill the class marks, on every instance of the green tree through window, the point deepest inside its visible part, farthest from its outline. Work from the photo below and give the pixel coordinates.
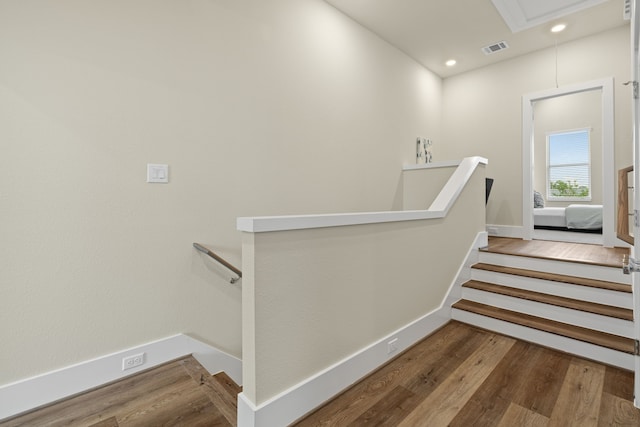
(569, 166)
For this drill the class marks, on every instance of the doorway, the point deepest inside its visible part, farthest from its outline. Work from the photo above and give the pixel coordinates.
(603, 185)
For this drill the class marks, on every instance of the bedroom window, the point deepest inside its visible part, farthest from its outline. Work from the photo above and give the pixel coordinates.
(569, 166)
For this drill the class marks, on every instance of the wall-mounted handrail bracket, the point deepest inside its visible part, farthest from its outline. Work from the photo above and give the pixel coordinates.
(221, 260)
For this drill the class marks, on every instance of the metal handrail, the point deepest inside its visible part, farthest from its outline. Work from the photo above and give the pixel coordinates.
(221, 260)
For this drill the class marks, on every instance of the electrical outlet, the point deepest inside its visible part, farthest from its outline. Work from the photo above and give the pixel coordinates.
(392, 346)
(132, 361)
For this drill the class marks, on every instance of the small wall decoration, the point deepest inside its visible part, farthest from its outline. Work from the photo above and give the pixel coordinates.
(423, 150)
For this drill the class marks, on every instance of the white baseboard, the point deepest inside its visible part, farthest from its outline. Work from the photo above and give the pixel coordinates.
(304, 397)
(31, 393)
(313, 392)
(568, 236)
(517, 232)
(513, 231)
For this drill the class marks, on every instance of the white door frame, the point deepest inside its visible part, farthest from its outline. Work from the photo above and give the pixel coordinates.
(605, 85)
(635, 109)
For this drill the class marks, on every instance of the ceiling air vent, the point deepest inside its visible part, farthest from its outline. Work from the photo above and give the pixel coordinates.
(497, 47)
(627, 10)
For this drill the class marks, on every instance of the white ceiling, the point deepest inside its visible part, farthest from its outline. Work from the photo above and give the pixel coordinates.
(522, 14)
(433, 31)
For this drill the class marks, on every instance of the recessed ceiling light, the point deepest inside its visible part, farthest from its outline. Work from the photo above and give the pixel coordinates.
(450, 63)
(558, 28)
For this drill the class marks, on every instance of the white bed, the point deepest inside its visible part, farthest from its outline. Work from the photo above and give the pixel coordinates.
(573, 217)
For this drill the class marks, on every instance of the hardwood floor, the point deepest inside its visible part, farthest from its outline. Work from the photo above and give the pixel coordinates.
(555, 277)
(575, 307)
(465, 376)
(602, 339)
(180, 393)
(459, 376)
(575, 252)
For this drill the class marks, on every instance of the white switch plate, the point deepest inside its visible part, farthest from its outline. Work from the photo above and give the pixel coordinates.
(157, 173)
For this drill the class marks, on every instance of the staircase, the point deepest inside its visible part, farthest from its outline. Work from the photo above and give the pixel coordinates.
(219, 388)
(579, 308)
(224, 394)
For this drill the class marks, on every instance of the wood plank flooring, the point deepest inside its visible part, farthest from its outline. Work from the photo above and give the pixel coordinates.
(590, 307)
(582, 281)
(575, 252)
(175, 394)
(465, 376)
(602, 339)
(459, 376)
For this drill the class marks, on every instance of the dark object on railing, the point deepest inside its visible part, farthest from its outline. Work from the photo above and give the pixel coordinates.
(622, 230)
(213, 255)
(488, 184)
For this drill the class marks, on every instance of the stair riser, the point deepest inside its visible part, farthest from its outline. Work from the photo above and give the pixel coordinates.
(596, 322)
(558, 267)
(568, 345)
(567, 290)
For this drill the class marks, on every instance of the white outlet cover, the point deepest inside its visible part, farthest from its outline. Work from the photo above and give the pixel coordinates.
(392, 346)
(157, 173)
(133, 361)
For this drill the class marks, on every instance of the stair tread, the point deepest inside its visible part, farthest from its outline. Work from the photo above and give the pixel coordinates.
(602, 339)
(586, 306)
(581, 281)
(230, 385)
(215, 389)
(558, 251)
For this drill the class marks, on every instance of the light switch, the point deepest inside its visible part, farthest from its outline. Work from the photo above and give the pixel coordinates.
(157, 173)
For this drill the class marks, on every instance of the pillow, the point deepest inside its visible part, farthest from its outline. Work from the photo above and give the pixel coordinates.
(538, 201)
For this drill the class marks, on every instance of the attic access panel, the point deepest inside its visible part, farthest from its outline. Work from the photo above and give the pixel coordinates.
(522, 14)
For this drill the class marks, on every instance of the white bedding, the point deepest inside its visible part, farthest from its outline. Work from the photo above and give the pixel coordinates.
(549, 217)
(583, 217)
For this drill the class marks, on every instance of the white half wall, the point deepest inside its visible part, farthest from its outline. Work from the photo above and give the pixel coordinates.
(302, 398)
